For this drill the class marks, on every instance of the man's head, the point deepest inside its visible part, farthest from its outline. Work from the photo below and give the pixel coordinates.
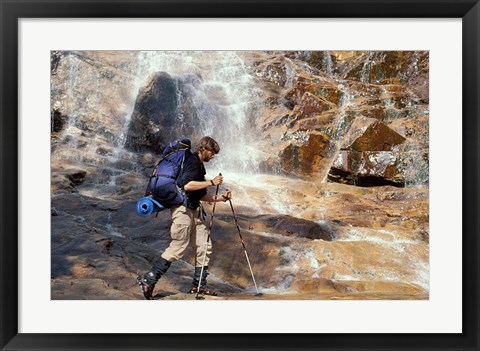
(207, 148)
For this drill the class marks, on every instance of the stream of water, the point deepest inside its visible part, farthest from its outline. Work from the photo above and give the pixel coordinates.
(223, 97)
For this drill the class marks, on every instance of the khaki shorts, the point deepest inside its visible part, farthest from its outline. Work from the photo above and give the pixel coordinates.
(187, 228)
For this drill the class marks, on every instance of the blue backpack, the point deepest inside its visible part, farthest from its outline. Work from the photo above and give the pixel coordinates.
(162, 185)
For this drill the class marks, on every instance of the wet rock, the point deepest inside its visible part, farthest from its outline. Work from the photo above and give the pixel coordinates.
(273, 71)
(378, 88)
(306, 158)
(305, 91)
(155, 110)
(325, 61)
(170, 107)
(104, 151)
(88, 289)
(294, 227)
(310, 104)
(367, 168)
(129, 183)
(374, 67)
(66, 178)
(368, 134)
(76, 177)
(58, 121)
(367, 158)
(84, 98)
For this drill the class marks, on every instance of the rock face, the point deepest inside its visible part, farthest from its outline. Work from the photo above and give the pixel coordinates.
(88, 90)
(326, 154)
(306, 112)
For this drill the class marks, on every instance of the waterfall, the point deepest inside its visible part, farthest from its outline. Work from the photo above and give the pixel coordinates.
(222, 97)
(344, 106)
(73, 74)
(343, 124)
(387, 101)
(366, 69)
(328, 63)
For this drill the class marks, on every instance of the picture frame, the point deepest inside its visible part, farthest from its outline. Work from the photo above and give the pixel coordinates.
(11, 12)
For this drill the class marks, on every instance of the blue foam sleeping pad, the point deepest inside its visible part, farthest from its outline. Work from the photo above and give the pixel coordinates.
(147, 205)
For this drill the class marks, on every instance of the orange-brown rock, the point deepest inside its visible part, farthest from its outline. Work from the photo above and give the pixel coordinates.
(310, 104)
(368, 134)
(306, 158)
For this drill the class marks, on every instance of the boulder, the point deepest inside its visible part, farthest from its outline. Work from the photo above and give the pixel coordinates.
(367, 168)
(305, 156)
(154, 113)
(368, 134)
(367, 157)
(169, 107)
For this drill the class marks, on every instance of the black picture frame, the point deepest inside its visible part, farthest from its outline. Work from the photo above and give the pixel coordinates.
(12, 11)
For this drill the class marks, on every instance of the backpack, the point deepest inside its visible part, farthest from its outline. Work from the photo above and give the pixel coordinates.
(162, 185)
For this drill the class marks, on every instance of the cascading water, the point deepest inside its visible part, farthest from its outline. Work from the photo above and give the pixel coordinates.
(73, 84)
(328, 64)
(341, 128)
(222, 96)
(346, 101)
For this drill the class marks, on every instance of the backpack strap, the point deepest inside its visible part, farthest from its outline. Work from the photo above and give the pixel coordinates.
(164, 158)
(181, 166)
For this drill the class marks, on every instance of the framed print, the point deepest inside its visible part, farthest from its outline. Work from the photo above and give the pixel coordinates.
(294, 175)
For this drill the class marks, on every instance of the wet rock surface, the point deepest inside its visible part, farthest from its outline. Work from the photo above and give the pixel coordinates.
(337, 207)
(361, 97)
(372, 243)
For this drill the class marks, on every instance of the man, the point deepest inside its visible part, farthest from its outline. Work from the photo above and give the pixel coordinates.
(188, 225)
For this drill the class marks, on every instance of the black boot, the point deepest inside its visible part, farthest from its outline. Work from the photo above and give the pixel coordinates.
(196, 279)
(147, 283)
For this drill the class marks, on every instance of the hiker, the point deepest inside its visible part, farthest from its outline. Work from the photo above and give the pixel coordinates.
(188, 225)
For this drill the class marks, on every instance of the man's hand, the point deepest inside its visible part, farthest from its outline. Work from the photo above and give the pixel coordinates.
(217, 180)
(227, 196)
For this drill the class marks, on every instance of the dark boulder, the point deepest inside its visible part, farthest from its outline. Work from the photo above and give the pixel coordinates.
(163, 112)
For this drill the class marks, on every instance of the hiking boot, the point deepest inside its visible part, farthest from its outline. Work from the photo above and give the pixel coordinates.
(196, 279)
(147, 283)
(146, 288)
(203, 291)
(196, 276)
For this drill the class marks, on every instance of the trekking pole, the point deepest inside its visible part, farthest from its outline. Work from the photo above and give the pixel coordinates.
(206, 243)
(244, 248)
